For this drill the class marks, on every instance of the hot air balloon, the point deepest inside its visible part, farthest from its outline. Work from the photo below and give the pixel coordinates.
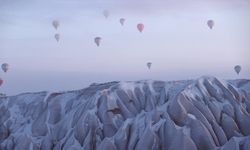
(106, 13)
(122, 20)
(57, 37)
(210, 24)
(1, 81)
(140, 27)
(149, 65)
(5, 67)
(55, 24)
(98, 40)
(237, 69)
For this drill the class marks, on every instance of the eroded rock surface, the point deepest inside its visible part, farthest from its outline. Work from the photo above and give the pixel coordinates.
(202, 114)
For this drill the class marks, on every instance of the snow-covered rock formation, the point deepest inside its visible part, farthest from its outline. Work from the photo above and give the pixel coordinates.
(202, 114)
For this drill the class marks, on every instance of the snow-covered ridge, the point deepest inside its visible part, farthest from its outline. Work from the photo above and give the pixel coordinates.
(202, 114)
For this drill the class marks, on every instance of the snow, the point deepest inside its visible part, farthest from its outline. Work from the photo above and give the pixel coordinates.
(186, 131)
(150, 85)
(105, 118)
(191, 116)
(127, 85)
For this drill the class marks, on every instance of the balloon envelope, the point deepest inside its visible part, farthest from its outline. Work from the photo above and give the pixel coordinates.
(149, 65)
(98, 41)
(210, 24)
(57, 37)
(106, 13)
(5, 67)
(140, 27)
(122, 20)
(237, 69)
(55, 24)
(1, 81)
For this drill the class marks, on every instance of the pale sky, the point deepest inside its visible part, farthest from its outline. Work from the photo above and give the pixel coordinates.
(176, 40)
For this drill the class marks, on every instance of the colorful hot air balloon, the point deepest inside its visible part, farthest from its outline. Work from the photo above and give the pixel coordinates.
(106, 13)
(140, 27)
(5, 67)
(149, 65)
(57, 37)
(55, 24)
(1, 81)
(210, 24)
(122, 20)
(237, 69)
(98, 41)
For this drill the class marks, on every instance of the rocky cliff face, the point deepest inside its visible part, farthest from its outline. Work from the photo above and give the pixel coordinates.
(202, 114)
